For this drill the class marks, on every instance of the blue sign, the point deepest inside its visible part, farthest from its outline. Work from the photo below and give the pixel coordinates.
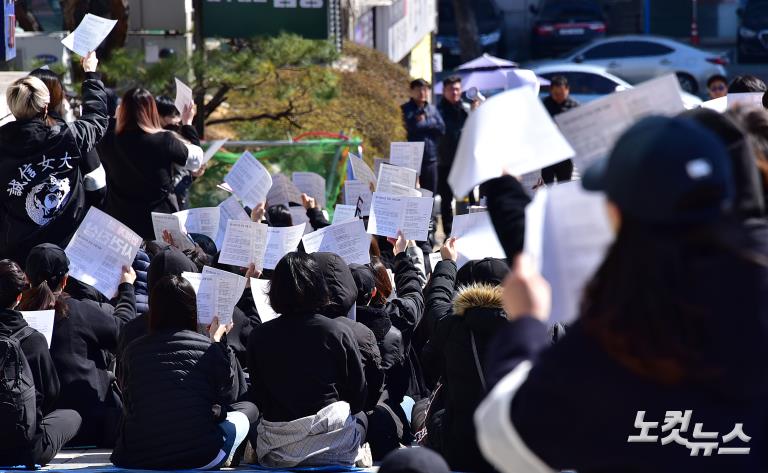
(8, 50)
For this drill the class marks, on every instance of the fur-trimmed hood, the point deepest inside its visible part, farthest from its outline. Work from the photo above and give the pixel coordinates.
(477, 296)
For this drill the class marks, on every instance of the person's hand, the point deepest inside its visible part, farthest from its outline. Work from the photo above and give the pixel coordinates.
(251, 272)
(448, 251)
(168, 238)
(199, 172)
(128, 275)
(90, 62)
(188, 114)
(475, 103)
(421, 117)
(216, 330)
(308, 202)
(525, 291)
(398, 245)
(257, 213)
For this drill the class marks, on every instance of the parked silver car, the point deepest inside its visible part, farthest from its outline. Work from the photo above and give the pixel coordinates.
(639, 58)
(589, 82)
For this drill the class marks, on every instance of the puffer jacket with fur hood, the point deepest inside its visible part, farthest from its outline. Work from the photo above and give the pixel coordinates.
(454, 354)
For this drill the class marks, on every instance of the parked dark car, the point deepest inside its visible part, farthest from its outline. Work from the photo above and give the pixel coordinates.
(562, 25)
(753, 32)
(489, 26)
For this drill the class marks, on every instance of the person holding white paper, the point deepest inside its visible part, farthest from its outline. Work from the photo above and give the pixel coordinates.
(139, 160)
(244, 243)
(390, 214)
(47, 430)
(389, 175)
(82, 331)
(677, 266)
(348, 240)
(89, 34)
(42, 167)
(195, 378)
(280, 242)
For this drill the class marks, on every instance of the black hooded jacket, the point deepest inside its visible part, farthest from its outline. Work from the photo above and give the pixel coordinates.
(342, 292)
(42, 169)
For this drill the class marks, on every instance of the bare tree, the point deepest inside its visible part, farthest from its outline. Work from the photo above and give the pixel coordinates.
(466, 26)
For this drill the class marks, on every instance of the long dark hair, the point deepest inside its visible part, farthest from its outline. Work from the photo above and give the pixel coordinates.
(138, 111)
(13, 281)
(41, 296)
(55, 88)
(172, 305)
(639, 305)
(383, 283)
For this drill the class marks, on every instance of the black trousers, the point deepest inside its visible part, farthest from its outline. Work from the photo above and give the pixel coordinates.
(59, 427)
(562, 171)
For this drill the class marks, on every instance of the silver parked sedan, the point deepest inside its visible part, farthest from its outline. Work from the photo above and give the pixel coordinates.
(639, 58)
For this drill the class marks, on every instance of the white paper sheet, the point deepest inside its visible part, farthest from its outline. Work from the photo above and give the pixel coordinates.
(360, 170)
(280, 242)
(511, 132)
(745, 99)
(571, 244)
(230, 209)
(476, 238)
(217, 294)
(203, 220)
(299, 215)
(719, 104)
(434, 258)
(358, 193)
(244, 243)
(342, 213)
(213, 148)
(389, 175)
(283, 191)
(390, 213)
(407, 154)
(398, 189)
(172, 224)
(249, 180)
(42, 321)
(99, 250)
(184, 96)
(312, 184)
(593, 128)
(347, 239)
(89, 34)
(260, 291)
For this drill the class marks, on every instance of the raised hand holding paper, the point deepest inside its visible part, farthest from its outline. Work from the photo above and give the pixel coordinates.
(391, 213)
(244, 243)
(511, 132)
(280, 242)
(217, 294)
(202, 220)
(348, 240)
(99, 250)
(567, 233)
(170, 223)
(184, 96)
(89, 34)
(42, 321)
(407, 154)
(312, 184)
(249, 180)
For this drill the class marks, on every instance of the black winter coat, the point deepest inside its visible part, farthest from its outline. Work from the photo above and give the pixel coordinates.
(454, 355)
(176, 386)
(139, 176)
(301, 363)
(42, 169)
(78, 347)
(454, 117)
(429, 130)
(507, 200)
(35, 349)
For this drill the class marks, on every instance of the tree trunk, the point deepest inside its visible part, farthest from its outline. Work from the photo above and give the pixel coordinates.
(466, 26)
(25, 18)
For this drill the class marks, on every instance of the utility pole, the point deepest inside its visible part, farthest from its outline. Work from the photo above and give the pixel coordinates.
(466, 25)
(199, 67)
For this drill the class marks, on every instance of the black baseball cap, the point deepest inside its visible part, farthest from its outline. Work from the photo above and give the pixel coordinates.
(666, 171)
(364, 280)
(46, 262)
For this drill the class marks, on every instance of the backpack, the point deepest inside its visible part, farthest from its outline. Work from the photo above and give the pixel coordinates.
(18, 405)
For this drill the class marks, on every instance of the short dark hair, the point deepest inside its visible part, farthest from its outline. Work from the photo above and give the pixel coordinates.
(172, 305)
(279, 216)
(166, 107)
(745, 84)
(558, 81)
(419, 83)
(716, 78)
(297, 285)
(450, 80)
(13, 282)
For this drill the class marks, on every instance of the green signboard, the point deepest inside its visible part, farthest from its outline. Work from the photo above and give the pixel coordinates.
(249, 18)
